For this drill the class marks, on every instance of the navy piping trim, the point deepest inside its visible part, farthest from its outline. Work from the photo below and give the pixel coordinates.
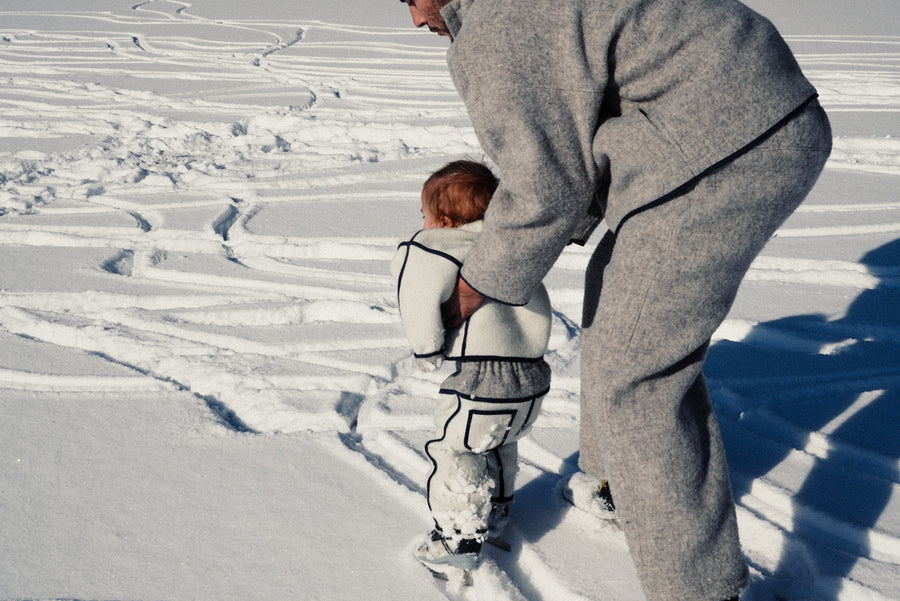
(471, 397)
(512, 413)
(686, 186)
(433, 460)
(431, 251)
(405, 261)
(412, 243)
(400, 275)
(491, 298)
(465, 340)
(471, 358)
(527, 417)
(501, 488)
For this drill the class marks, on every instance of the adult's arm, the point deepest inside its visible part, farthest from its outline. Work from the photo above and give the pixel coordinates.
(463, 301)
(534, 111)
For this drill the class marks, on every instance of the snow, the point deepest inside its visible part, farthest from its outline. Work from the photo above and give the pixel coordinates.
(206, 390)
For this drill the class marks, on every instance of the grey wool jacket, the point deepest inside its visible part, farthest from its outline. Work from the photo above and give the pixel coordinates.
(628, 100)
(426, 268)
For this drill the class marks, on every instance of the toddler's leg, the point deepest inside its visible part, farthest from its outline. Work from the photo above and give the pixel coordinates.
(502, 465)
(475, 459)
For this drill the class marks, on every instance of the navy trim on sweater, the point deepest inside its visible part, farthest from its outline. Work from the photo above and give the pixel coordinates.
(430, 251)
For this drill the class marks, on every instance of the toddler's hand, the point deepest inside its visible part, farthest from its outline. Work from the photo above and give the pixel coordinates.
(429, 363)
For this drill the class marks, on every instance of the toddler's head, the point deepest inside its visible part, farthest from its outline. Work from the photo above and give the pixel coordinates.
(457, 193)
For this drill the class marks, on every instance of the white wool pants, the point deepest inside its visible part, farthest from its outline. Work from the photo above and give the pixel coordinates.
(483, 410)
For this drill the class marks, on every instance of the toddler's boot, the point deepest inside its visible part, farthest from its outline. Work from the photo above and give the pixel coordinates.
(437, 552)
(498, 518)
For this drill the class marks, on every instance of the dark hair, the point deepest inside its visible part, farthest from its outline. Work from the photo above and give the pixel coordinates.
(460, 191)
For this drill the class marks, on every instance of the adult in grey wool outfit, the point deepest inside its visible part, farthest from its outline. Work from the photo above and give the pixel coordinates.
(689, 127)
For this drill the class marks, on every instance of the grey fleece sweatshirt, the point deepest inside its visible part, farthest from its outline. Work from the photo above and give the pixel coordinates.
(631, 99)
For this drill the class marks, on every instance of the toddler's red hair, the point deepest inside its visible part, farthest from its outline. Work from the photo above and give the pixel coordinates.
(460, 191)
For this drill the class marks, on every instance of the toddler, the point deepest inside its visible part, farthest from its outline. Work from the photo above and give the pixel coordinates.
(495, 394)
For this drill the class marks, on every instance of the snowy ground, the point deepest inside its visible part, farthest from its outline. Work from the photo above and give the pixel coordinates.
(205, 389)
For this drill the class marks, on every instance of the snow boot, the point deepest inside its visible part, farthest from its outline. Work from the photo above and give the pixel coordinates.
(498, 518)
(590, 494)
(437, 552)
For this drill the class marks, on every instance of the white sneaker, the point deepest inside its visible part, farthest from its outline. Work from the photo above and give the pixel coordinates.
(437, 552)
(590, 494)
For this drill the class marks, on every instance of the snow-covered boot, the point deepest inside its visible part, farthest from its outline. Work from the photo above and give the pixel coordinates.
(590, 494)
(437, 552)
(497, 519)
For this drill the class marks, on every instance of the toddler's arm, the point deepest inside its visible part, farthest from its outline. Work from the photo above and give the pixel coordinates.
(425, 279)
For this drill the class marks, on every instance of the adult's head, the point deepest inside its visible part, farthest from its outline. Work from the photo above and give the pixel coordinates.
(427, 13)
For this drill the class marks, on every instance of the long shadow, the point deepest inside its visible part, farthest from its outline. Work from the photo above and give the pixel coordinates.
(538, 509)
(831, 389)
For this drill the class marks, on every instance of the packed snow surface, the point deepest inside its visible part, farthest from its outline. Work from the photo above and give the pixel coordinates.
(206, 392)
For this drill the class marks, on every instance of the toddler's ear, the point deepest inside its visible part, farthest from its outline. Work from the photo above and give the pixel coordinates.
(445, 221)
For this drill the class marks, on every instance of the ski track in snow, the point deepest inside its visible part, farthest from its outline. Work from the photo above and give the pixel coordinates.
(177, 174)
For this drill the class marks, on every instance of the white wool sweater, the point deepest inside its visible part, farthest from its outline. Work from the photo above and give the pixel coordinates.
(426, 267)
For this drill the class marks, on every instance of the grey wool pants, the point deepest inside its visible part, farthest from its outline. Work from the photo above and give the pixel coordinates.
(655, 292)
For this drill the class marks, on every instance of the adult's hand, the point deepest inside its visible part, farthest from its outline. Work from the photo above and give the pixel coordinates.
(461, 304)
